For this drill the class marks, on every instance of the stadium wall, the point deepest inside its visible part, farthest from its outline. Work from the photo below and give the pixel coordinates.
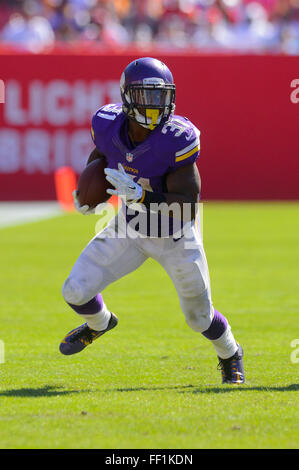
(247, 108)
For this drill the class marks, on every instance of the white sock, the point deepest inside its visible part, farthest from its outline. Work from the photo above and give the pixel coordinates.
(98, 321)
(226, 345)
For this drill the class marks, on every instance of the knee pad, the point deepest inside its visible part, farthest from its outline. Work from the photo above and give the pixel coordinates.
(72, 292)
(198, 311)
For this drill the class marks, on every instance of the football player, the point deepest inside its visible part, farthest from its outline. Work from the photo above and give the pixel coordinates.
(151, 156)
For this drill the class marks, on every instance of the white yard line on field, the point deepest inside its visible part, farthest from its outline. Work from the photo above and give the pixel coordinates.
(18, 213)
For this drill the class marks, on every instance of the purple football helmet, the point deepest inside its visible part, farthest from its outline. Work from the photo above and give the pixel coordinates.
(148, 92)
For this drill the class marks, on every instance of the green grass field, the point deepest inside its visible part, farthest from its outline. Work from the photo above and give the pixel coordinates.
(152, 382)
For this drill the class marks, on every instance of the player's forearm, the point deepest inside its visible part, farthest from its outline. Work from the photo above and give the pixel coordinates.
(187, 203)
(171, 202)
(94, 155)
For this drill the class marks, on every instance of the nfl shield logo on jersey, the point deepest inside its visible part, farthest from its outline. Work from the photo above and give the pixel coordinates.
(129, 157)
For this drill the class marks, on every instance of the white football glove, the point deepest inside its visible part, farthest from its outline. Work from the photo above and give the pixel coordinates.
(125, 186)
(84, 210)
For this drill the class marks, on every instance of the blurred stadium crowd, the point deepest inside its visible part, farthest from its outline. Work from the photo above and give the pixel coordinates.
(202, 25)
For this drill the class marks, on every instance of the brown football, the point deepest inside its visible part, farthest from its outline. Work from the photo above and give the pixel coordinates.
(92, 184)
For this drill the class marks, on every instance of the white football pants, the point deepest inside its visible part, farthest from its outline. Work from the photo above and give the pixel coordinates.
(108, 258)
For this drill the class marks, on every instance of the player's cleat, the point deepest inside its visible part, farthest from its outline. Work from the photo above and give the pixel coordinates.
(232, 369)
(77, 339)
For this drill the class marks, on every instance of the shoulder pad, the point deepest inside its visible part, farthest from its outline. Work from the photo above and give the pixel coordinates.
(103, 118)
(184, 140)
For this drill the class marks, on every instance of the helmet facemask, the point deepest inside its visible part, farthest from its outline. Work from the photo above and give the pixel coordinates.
(149, 103)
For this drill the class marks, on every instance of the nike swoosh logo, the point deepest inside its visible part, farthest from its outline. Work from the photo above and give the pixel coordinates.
(177, 239)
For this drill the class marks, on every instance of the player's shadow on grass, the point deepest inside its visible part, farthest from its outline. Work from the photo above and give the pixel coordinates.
(47, 391)
(241, 388)
(206, 389)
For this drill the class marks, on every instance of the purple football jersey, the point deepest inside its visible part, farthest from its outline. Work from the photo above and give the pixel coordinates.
(168, 147)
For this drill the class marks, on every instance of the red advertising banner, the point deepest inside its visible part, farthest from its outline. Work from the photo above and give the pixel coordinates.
(247, 108)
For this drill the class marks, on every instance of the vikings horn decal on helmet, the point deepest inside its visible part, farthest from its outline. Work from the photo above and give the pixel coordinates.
(148, 92)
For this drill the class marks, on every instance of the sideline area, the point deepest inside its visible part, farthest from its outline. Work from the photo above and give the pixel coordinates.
(18, 213)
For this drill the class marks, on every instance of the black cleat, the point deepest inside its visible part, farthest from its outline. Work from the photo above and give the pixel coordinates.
(77, 339)
(232, 369)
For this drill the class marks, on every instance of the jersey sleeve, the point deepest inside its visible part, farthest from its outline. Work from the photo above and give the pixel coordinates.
(101, 122)
(187, 148)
